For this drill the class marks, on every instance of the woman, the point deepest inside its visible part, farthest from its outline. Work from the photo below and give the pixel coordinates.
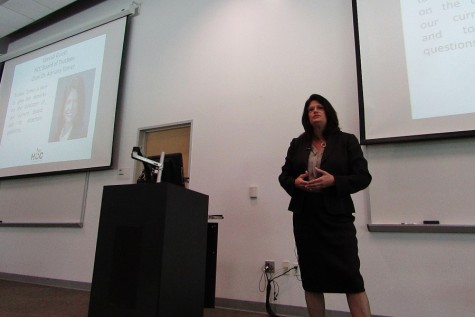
(323, 167)
(71, 125)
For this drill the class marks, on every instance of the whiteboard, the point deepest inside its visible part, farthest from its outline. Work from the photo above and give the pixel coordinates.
(57, 200)
(413, 182)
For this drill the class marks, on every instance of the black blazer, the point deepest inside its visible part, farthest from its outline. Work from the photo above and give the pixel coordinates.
(343, 158)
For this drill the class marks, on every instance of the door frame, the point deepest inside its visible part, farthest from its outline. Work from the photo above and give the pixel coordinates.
(143, 134)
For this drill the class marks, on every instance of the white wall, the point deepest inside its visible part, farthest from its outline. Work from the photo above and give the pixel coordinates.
(241, 71)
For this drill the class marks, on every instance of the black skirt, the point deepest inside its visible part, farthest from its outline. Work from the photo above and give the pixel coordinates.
(327, 249)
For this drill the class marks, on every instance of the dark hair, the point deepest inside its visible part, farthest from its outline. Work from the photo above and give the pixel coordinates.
(77, 84)
(332, 118)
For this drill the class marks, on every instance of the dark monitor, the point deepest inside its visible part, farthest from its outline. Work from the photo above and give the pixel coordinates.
(172, 170)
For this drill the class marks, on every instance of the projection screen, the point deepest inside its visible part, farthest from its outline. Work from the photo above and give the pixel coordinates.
(415, 69)
(58, 104)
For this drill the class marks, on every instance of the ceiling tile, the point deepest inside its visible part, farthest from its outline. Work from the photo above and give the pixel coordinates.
(5, 29)
(54, 4)
(28, 8)
(16, 14)
(13, 19)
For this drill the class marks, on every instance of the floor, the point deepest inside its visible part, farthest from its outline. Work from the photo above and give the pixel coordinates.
(32, 300)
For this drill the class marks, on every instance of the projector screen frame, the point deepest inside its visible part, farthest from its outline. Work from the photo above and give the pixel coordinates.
(18, 53)
(364, 139)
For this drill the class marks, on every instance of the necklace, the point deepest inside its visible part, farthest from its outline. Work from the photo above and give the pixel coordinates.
(323, 144)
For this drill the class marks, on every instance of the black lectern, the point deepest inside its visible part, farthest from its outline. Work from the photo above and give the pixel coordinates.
(150, 253)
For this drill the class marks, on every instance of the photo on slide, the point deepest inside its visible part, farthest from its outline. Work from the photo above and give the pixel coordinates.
(72, 107)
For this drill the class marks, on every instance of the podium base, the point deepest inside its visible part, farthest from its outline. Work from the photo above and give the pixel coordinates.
(151, 252)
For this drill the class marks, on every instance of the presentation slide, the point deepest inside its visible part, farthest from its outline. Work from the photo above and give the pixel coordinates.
(439, 57)
(417, 67)
(57, 106)
(50, 105)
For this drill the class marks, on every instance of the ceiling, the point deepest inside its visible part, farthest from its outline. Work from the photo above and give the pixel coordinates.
(16, 14)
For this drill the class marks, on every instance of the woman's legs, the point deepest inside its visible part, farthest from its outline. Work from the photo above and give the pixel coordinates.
(359, 304)
(315, 304)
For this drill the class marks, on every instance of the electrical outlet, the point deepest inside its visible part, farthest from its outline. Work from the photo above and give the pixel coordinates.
(269, 267)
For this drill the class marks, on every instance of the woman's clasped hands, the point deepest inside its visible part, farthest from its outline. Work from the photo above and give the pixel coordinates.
(323, 181)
